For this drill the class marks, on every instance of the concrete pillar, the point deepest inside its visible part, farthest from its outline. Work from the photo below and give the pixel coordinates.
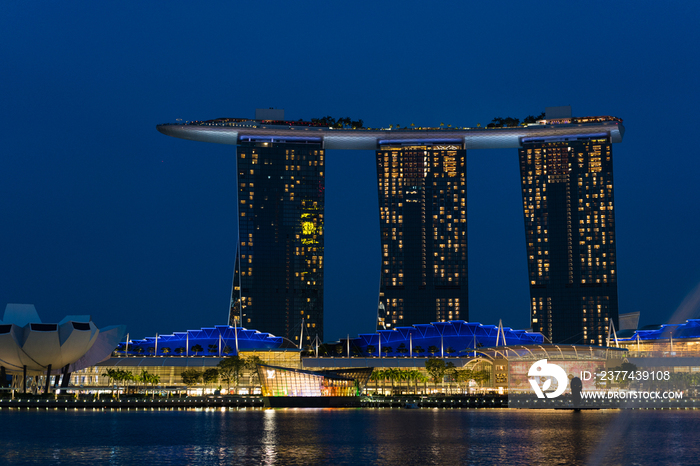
(48, 379)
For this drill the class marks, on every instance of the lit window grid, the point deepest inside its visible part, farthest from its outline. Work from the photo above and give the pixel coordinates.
(434, 181)
(590, 237)
(286, 179)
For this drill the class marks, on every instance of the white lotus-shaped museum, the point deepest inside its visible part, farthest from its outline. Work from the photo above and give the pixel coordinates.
(75, 341)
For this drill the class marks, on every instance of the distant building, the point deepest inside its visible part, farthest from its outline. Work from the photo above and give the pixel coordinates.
(423, 228)
(278, 276)
(568, 204)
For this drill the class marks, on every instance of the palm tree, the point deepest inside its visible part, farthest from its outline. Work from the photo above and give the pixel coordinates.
(376, 376)
(128, 376)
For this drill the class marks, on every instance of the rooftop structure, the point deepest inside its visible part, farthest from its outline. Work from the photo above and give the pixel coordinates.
(444, 338)
(236, 130)
(220, 340)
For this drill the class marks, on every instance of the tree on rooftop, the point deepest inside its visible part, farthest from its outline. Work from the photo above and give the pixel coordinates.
(180, 350)
(371, 349)
(213, 348)
(387, 350)
(402, 349)
(165, 350)
(432, 349)
(197, 349)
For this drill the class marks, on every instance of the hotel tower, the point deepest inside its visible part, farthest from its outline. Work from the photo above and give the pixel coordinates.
(423, 230)
(567, 192)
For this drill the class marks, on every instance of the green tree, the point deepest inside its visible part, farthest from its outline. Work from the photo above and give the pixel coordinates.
(128, 376)
(432, 350)
(251, 364)
(230, 370)
(213, 348)
(227, 350)
(463, 376)
(451, 373)
(436, 369)
(180, 350)
(197, 349)
(191, 376)
(626, 369)
(387, 350)
(371, 349)
(402, 349)
(165, 350)
(481, 377)
(210, 375)
(450, 350)
(418, 350)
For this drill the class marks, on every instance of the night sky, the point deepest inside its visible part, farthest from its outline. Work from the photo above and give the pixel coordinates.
(103, 215)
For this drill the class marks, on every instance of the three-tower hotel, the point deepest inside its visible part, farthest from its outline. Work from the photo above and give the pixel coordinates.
(568, 206)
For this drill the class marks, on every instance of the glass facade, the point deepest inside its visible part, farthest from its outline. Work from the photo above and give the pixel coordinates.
(279, 381)
(278, 276)
(423, 227)
(567, 188)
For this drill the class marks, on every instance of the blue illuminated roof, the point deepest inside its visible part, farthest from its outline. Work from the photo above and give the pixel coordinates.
(456, 335)
(209, 339)
(689, 329)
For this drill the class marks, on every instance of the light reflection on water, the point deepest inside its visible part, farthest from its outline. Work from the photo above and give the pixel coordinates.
(350, 436)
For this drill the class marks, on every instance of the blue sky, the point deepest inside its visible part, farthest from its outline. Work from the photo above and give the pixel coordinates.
(103, 215)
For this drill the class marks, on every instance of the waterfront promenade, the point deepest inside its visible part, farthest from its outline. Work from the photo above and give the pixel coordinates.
(256, 401)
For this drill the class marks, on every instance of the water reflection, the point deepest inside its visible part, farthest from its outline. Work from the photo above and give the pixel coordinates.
(350, 436)
(269, 437)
